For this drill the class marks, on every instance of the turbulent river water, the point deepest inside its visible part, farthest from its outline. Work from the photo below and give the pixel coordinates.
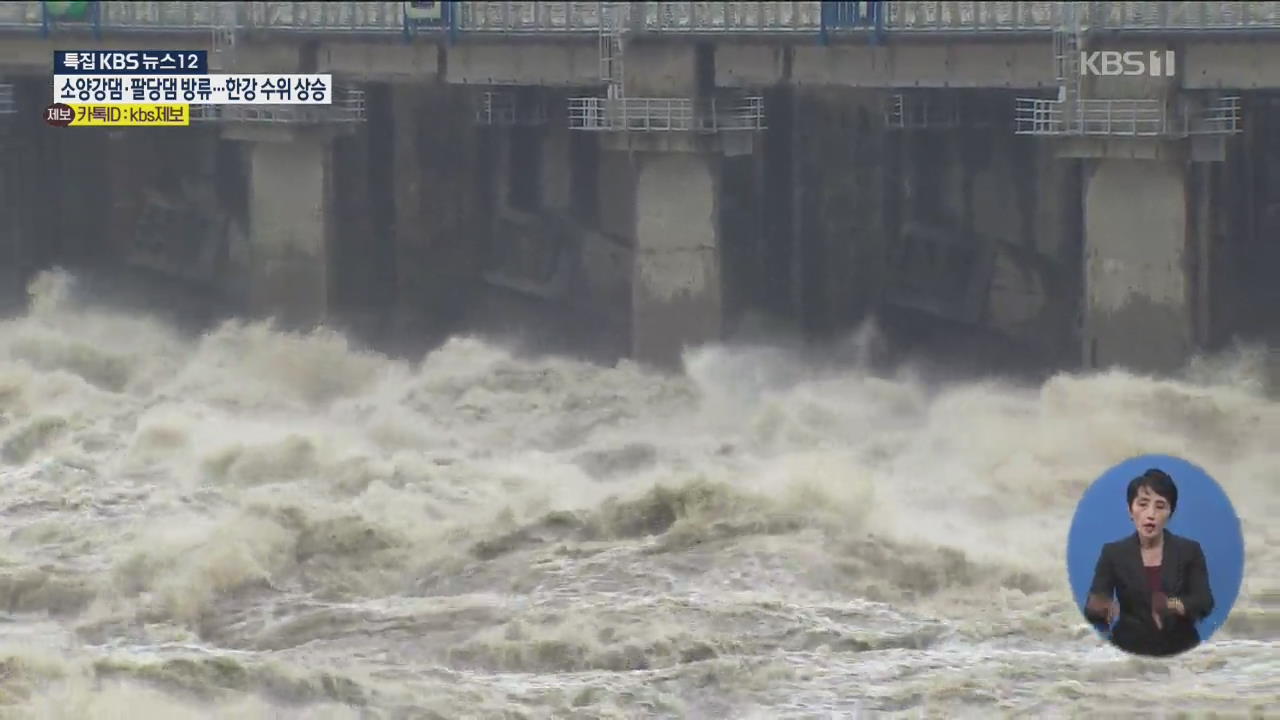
(256, 524)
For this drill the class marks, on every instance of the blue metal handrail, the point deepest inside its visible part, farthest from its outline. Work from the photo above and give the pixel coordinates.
(853, 15)
(445, 19)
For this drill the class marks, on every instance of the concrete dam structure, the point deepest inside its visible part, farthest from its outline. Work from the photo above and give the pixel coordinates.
(644, 175)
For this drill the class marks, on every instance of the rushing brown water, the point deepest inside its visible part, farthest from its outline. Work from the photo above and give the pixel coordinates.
(259, 524)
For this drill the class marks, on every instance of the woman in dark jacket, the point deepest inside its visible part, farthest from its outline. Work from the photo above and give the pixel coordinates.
(1153, 585)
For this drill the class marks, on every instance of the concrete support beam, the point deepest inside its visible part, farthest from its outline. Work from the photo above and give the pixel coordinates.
(1010, 64)
(290, 222)
(660, 69)
(1229, 64)
(385, 61)
(1199, 148)
(571, 62)
(667, 204)
(751, 65)
(1140, 265)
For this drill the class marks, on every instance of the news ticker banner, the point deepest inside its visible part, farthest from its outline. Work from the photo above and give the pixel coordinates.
(285, 89)
(130, 62)
(156, 87)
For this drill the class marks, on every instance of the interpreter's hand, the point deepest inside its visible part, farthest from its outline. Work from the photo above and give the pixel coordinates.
(1105, 607)
(1159, 606)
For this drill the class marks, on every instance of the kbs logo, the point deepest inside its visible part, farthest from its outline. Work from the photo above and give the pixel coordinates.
(1154, 63)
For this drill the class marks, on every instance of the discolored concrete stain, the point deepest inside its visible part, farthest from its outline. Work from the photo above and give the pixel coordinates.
(676, 298)
(1141, 334)
(1137, 301)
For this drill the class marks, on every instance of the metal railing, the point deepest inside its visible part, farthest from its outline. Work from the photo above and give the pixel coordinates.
(530, 17)
(364, 17)
(905, 16)
(1045, 16)
(971, 16)
(504, 109)
(177, 16)
(732, 17)
(901, 16)
(1221, 117)
(223, 43)
(8, 104)
(1159, 16)
(1126, 118)
(666, 114)
(940, 110)
(747, 17)
(348, 108)
(904, 112)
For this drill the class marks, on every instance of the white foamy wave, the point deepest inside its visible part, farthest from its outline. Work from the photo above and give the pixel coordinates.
(480, 534)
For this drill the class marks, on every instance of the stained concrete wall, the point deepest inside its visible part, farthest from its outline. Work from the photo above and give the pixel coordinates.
(570, 61)
(385, 61)
(443, 205)
(59, 185)
(856, 188)
(556, 172)
(11, 230)
(766, 282)
(618, 207)
(1259, 258)
(676, 298)
(1244, 295)
(83, 192)
(842, 153)
(290, 221)
(1012, 64)
(746, 288)
(659, 69)
(364, 290)
(665, 208)
(1137, 284)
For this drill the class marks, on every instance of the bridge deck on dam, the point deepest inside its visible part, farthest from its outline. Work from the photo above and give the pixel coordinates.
(689, 18)
(756, 44)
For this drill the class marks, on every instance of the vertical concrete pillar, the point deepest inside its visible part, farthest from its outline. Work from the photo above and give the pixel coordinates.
(1138, 284)
(290, 221)
(500, 141)
(661, 192)
(10, 228)
(409, 225)
(438, 185)
(1203, 239)
(556, 172)
(667, 204)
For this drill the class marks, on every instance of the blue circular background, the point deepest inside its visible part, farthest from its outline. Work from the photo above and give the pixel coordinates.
(1204, 514)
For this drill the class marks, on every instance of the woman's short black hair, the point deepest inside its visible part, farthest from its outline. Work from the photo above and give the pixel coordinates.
(1159, 482)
